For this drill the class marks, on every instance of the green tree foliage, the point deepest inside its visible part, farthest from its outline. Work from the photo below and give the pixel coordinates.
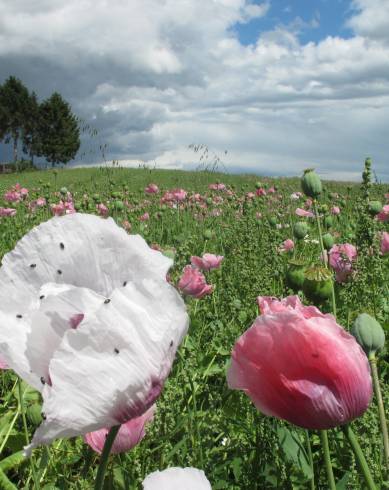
(14, 102)
(59, 134)
(31, 135)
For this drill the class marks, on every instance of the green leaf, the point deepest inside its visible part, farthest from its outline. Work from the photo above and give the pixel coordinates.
(6, 484)
(12, 461)
(294, 450)
(342, 483)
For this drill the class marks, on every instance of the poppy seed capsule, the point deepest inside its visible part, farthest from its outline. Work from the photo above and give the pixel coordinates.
(375, 207)
(311, 184)
(369, 334)
(300, 230)
(328, 241)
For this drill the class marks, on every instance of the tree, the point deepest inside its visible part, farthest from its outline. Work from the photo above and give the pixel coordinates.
(31, 135)
(59, 134)
(14, 100)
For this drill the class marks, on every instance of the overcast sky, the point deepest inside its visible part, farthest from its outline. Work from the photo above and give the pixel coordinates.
(281, 84)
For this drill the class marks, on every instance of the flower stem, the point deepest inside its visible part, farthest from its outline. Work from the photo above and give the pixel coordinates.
(310, 460)
(353, 441)
(23, 412)
(104, 456)
(381, 410)
(327, 459)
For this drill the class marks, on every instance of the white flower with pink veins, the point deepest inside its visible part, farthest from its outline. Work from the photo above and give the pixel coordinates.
(177, 479)
(88, 319)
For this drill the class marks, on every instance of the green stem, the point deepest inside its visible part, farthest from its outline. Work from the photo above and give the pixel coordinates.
(327, 460)
(23, 412)
(104, 456)
(359, 456)
(324, 255)
(381, 410)
(310, 459)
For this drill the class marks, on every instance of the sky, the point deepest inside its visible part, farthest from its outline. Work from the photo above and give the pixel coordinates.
(268, 86)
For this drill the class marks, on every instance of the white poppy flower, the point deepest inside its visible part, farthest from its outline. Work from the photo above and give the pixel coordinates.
(88, 318)
(177, 479)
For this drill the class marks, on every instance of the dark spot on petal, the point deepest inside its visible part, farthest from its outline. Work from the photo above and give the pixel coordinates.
(106, 301)
(19, 315)
(116, 351)
(171, 343)
(59, 271)
(32, 266)
(43, 415)
(41, 296)
(43, 381)
(124, 283)
(61, 246)
(315, 355)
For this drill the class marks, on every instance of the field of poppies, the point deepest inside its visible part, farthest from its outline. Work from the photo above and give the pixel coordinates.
(155, 319)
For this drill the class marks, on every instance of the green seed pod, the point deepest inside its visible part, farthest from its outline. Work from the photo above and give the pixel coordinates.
(295, 275)
(63, 190)
(328, 221)
(118, 205)
(311, 184)
(207, 234)
(34, 414)
(317, 285)
(258, 185)
(209, 200)
(96, 197)
(169, 252)
(328, 241)
(369, 334)
(273, 221)
(300, 230)
(375, 207)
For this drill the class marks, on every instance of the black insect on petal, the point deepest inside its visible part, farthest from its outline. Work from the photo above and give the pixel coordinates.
(43, 381)
(116, 350)
(59, 271)
(43, 415)
(32, 266)
(41, 296)
(124, 283)
(19, 315)
(61, 246)
(171, 343)
(106, 301)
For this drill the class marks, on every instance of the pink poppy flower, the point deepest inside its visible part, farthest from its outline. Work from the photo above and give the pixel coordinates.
(250, 195)
(298, 364)
(261, 192)
(126, 225)
(271, 190)
(207, 262)
(179, 194)
(287, 246)
(341, 258)
(385, 243)
(102, 209)
(303, 212)
(58, 209)
(144, 217)
(383, 215)
(12, 196)
(335, 210)
(7, 212)
(24, 192)
(177, 479)
(296, 196)
(130, 434)
(193, 283)
(217, 187)
(152, 189)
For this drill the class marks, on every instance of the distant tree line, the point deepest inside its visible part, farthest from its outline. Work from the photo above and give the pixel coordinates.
(47, 129)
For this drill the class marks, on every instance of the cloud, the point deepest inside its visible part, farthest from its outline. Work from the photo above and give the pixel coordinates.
(154, 76)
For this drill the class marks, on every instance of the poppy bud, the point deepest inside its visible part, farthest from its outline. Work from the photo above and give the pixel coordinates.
(300, 230)
(328, 241)
(375, 207)
(311, 184)
(369, 334)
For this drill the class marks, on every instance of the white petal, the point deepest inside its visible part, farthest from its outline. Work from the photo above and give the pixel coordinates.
(78, 249)
(177, 479)
(113, 367)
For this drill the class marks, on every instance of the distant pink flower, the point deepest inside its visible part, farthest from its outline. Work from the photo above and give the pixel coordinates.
(271, 190)
(217, 187)
(296, 195)
(24, 192)
(298, 364)
(385, 243)
(144, 217)
(341, 258)
(179, 194)
(7, 212)
(287, 246)
(102, 209)
(41, 201)
(261, 192)
(12, 196)
(152, 189)
(303, 212)
(250, 195)
(308, 203)
(383, 215)
(58, 209)
(207, 262)
(126, 225)
(335, 210)
(130, 434)
(193, 283)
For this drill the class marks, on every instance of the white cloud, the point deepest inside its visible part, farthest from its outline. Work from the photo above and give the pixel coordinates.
(156, 75)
